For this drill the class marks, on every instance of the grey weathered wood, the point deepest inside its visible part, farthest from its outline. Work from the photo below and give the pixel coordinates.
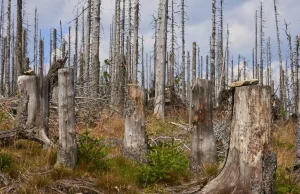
(134, 144)
(204, 149)
(67, 150)
(159, 109)
(244, 83)
(250, 165)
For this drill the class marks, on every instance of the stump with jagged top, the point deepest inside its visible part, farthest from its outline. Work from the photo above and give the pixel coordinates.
(250, 166)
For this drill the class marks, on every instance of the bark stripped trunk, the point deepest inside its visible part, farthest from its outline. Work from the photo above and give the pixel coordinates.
(159, 109)
(19, 39)
(250, 165)
(212, 51)
(279, 53)
(7, 68)
(194, 61)
(95, 50)
(2, 67)
(87, 50)
(67, 149)
(183, 95)
(134, 144)
(204, 150)
(136, 42)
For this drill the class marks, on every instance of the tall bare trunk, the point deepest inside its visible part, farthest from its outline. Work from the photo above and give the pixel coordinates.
(136, 42)
(87, 50)
(69, 50)
(279, 52)
(2, 67)
(194, 61)
(212, 51)
(206, 73)
(35, 46)
(54, 45)
(7, 69)
(19, 55)
(256, 45)
(172, 55)
(95, 50)
(129, 42)
(159, 109)
(183, 50)
(261, 46)
(297, 71)
(76, 49)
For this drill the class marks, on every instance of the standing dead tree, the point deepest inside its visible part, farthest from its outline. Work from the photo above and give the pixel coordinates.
(250, 166)
(183, 94)
(204, 149)
(159, 109)
(134, 144)
(67, 146)
(212, 51)
(7, 67)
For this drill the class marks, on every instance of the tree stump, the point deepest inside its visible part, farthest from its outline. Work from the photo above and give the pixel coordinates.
(250, 165)
(134, 144)
(67, 150)
(29, 121)
(203, 142)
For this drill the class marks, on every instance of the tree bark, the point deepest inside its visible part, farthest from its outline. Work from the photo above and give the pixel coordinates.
(7, 68)
(136, 42)
(134, 144)
(204, 149)
(67, 150)
(212, 51)
(19, 39)
(183, 95)
(159, 109)
(250, 165)
(87, 50)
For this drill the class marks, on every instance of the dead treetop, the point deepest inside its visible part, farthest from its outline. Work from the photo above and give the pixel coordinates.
(244, 83)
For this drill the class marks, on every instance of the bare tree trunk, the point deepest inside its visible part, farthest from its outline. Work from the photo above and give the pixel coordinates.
(67, 149)
(250, 138)
(54, 45)
(172, 55)
(204, 149)
(87, 50)
(232, 73)
(279, 52)
(256, 44)
(95, 50)
(212, 51)
(75, 59)
(2, 67)
(159, 109)
(183, 51)
(13, 65)
(123, 29)
(297, 71)
(19, 56)
(50, 52)
(239, 71)
(188, 76)
(129, 42)
(199, 64)
(261, 46)
(134, 144)
(143, 67)
(136, 42)
(35, 42)
(69, 49)
(82, 58)
(206, 73)
(194, 62)
(245, 68)
(7, 69)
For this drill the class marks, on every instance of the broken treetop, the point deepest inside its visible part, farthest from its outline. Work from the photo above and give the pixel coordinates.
(244, 83)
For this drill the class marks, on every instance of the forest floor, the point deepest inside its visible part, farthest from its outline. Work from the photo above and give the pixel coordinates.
(25, 167)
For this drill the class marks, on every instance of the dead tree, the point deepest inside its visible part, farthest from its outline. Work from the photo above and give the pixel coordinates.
(279, 53)
(183, 97)
(135, 42)
(159, 109)
(19, 55)
(2, 67)
(297, 71)
(95, 50)
(134, 144)
(7, 67)
(206, 69)
(75, 59)
(261, 46)
(204, 149)
(256, 45)
(67, 146)
(54, 45)
(87, 50)
(212, 51)
(250, 166)
(194, 61)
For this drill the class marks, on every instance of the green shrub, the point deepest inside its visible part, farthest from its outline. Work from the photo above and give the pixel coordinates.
(285, 183)
(91, 153)
(167, 163)
(5, 161)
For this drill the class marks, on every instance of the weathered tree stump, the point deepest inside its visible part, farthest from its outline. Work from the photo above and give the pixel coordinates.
(134, 144)
(250, 165)
(203, 142)
(67, 148)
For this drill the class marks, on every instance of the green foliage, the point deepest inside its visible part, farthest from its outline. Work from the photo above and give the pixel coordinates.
(285, 183)
(5, 161)
(167, 163)
(91, 153)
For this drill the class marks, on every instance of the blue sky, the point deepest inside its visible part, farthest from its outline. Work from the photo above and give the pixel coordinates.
(239, 14)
